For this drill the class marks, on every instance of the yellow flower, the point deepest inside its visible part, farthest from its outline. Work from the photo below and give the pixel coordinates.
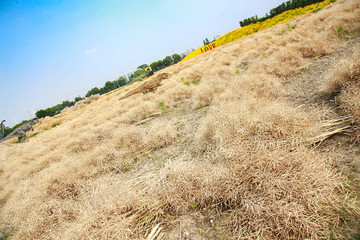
(255, 27)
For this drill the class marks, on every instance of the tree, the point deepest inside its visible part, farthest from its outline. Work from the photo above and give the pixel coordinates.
(40, 114)
(142, 67)
(121, 81)
(176, 58)
(167, 61)
(156, 66)
(8, 130)
(137, 75)
(206, 41)
(65, 104)
(93, 91)
(77, 99)
(160, 64)
(109, 86)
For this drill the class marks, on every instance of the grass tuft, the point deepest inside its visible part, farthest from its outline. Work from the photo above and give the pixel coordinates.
(234, 157)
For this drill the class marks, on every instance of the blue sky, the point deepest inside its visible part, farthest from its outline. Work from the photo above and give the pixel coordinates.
(55, 50)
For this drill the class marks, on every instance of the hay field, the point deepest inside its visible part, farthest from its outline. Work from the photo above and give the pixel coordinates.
(238, 143)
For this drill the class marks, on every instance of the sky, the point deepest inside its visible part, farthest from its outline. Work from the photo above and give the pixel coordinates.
(56, 50)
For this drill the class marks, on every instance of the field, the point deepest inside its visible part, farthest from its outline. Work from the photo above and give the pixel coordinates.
(255, 139)
(255, 27)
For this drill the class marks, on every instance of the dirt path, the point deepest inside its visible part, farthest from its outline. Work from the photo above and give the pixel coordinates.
(304, 89)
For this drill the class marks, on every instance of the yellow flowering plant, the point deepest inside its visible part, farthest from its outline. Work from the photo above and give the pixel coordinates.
(255, 27)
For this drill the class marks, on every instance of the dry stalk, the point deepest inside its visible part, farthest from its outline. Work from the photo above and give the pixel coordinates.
(154, 234)
(330, 128)
(148, 119)
(147, 217)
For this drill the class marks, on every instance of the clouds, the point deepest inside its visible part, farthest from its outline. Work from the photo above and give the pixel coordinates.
(91, 51)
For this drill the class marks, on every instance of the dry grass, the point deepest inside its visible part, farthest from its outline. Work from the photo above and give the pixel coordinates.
(263, 195)
(344, 84)
(225, 149)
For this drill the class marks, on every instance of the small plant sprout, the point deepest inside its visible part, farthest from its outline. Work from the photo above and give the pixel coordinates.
(340, 31)
(187, 83)
(291, 26)
(162, 107)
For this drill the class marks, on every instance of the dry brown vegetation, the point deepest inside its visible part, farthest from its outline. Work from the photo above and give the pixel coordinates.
(230, 153)
(343, 82)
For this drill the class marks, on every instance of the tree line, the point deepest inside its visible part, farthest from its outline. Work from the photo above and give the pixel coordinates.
(108, 87)
(137, 75)
(167, 61)
(289, 5)
(52, 111)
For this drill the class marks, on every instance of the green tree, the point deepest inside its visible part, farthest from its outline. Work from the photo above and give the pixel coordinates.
(137, 75)
(156, 66)
(167, 61)
(121, 81)
(206, 41)
(8, 130)
(77, 99)
(65, 104)
(40, 114)
(109, 86)
(176, 58)
(142, 67)
(93, 91)
(160, 64)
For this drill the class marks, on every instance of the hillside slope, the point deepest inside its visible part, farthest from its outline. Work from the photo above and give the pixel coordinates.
(239, 143)
(256, 27)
